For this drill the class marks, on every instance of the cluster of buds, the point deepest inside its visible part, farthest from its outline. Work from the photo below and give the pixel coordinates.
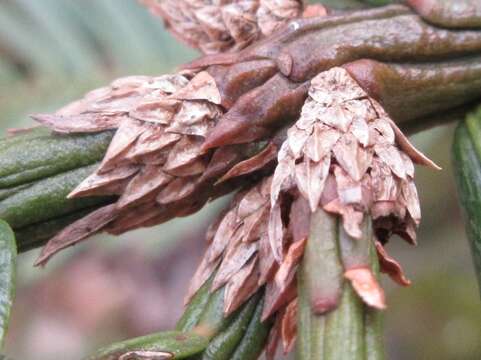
(347, 157)
(344, 156)
(155, 162)
(178, 134)
(216, 26)
(184, 139)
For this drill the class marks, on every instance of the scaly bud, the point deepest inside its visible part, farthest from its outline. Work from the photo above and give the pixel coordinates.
(155, 162)
(215, 26)
(346, 156)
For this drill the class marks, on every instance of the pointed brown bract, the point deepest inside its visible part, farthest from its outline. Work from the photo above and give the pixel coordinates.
(390, 266)
(366, 285)
(242, 286)
(275, 335)
(266, 156)
(71, 235)
(78, 123)
(287, 268)
(289, 326)
(216, 26)
(112, 182)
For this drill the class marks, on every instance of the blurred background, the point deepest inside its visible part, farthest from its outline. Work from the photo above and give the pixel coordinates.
(53, 51)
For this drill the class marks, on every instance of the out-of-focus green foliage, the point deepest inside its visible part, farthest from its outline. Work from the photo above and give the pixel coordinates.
(8, 254)
(181, 345)
(339, 4)
(467, 167)
(352, 4)
(52, 51)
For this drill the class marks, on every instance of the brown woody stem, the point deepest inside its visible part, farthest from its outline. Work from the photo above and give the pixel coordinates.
(438, 69)
(450, 13)
(334, 41)
(416, 96)
(412, 91)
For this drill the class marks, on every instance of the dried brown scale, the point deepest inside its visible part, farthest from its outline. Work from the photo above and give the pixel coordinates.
(215, 26)
(355, 256)
(155, 161)
(390, 266)
(289, 326)
(84, 227)
(257, 162)
(153, 213)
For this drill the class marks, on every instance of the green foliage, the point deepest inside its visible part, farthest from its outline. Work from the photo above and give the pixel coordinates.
(350, 330)
(38, 169)
(53, 51)
(352, 4)
(378, 2)
(467, 168)
(36, 157)
(222, 346)
(8, 253)
(255, 336)
(206, 332)
(191, 316)
(181, 345)
(47, 199)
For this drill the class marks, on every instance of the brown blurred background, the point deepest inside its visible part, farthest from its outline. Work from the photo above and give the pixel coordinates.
(53, 51)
